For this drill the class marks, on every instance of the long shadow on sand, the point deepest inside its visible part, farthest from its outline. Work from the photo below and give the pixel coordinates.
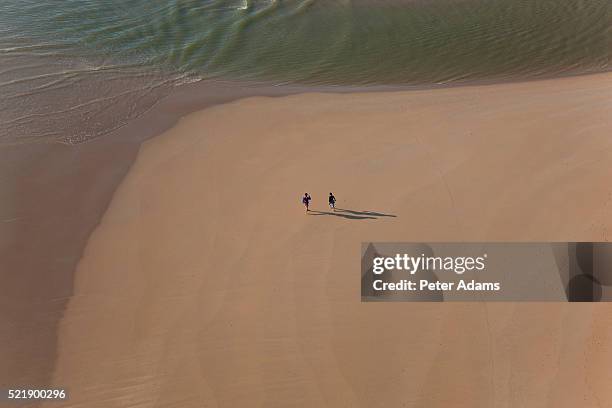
(352, 215)
(365, 213)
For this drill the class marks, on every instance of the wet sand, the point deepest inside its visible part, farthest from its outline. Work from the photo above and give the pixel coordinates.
(206, 284)
(53, 197)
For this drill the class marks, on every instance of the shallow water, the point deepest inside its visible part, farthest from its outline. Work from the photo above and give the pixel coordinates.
(97, 63)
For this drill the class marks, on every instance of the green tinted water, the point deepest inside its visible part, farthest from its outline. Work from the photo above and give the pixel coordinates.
(71, 70)
(331, 42)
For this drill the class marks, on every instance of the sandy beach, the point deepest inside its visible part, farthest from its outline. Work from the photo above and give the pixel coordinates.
(207, 284)
(54, 195)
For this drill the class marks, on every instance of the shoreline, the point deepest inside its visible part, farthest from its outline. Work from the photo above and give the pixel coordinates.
(437, 124)
(55, 196)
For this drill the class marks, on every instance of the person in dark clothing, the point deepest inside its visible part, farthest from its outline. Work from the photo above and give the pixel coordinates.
(306, 201)
(332, 201)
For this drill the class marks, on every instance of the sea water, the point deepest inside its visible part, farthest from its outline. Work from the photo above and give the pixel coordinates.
(73, 69)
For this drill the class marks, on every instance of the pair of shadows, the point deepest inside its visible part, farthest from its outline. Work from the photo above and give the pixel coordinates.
(352, 215)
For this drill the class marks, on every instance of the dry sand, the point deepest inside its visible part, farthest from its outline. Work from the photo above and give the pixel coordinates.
(206, 284)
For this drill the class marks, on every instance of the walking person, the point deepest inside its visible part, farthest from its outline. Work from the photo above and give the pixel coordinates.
(306, 201)
(332, 202)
